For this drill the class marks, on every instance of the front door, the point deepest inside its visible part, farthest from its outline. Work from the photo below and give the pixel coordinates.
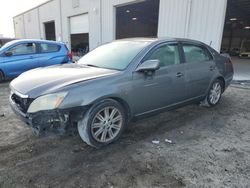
(163, 87)
(23, 58)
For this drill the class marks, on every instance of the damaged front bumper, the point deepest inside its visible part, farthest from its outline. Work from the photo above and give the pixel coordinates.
(57, 121)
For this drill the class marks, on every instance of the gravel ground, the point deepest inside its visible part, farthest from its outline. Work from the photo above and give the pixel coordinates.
(211, 148)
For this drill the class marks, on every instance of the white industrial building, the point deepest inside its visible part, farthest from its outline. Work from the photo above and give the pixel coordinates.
(85, 24)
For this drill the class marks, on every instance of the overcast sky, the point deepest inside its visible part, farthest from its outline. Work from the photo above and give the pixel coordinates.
(10, 8)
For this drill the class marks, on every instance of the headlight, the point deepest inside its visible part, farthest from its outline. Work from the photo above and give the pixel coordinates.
(47, 102)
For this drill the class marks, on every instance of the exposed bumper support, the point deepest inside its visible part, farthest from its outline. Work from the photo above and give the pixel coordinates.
(56, 121)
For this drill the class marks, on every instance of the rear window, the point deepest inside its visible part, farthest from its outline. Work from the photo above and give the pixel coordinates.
(196, 54)
(47, 48)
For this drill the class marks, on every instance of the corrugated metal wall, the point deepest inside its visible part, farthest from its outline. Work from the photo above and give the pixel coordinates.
(50, 12)
(90, 7)
(19, 26)
(173, 18)
(31, 19)
(195, 19)
(31, 23)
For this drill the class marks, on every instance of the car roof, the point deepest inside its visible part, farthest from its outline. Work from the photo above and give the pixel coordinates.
(19, 41)
(161, 39)
(35, 40)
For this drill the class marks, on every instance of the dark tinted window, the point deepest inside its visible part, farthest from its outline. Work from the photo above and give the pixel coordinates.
(196, 54)
(139, 19)
(46, 48)
(22, 49)
(167, 55)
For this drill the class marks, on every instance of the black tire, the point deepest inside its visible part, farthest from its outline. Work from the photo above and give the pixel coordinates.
(209, 100)
(85, 126)
(1, 76)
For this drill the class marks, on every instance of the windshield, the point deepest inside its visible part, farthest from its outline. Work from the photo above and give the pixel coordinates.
(116, 55)
(6, 45)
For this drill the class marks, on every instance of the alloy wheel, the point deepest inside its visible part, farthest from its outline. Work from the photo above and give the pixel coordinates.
(106, 124)
(215, 93)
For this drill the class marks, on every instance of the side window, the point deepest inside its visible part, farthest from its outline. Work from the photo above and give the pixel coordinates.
(47, 48)
(196, 54)
(23, 49)
(167, 55)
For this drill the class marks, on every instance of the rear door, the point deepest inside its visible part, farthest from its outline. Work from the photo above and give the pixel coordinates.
(199, 68)
(51, 54)
(163, 87)
(24, 57)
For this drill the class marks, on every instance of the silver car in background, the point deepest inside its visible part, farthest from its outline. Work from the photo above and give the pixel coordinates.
(119, 82)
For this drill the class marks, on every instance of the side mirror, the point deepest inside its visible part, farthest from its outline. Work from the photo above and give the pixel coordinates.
(8, 53)
(149, 65)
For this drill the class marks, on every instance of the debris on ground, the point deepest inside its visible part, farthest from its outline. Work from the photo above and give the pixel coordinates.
(2, 115)
(77, 150)
(168, 141)
(155, 141)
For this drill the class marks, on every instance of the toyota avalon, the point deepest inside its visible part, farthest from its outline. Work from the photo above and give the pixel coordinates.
(119, 82)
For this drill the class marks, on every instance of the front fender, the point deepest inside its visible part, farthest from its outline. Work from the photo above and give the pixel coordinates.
(86, 95)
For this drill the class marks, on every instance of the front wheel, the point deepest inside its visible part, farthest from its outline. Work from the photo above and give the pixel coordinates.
(1, 76)
(102, 124)
(214, 94)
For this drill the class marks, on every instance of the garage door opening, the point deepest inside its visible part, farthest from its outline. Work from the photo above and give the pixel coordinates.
(137, 20)
(79, 35)
(236, 37)
(50, 31)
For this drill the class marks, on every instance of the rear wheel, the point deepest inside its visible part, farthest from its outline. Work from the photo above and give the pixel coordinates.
(214, 93)
(1, 76)
(102, 124)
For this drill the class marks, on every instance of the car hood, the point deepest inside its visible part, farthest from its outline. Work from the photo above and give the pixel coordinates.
(40, 81)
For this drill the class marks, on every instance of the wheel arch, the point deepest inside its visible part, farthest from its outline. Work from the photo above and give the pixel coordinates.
(1, 71)
(218, 77)
(223, 82)
(121, 101)
(124, 104)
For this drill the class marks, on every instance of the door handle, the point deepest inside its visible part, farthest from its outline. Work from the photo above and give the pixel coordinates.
(211, 68)
(179, 74)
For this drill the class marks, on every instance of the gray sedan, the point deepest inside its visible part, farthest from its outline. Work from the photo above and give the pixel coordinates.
(118, 82)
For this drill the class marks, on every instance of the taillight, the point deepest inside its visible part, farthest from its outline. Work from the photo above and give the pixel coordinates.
(70, 55)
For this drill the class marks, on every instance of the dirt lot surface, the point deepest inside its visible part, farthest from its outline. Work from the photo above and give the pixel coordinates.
(211, 149)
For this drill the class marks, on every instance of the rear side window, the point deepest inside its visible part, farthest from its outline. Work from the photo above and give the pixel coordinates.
(23, 49)
(47, 48)
(167, 54)
(196, 54)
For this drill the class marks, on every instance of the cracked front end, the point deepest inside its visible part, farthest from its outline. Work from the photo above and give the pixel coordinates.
(43, 114)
